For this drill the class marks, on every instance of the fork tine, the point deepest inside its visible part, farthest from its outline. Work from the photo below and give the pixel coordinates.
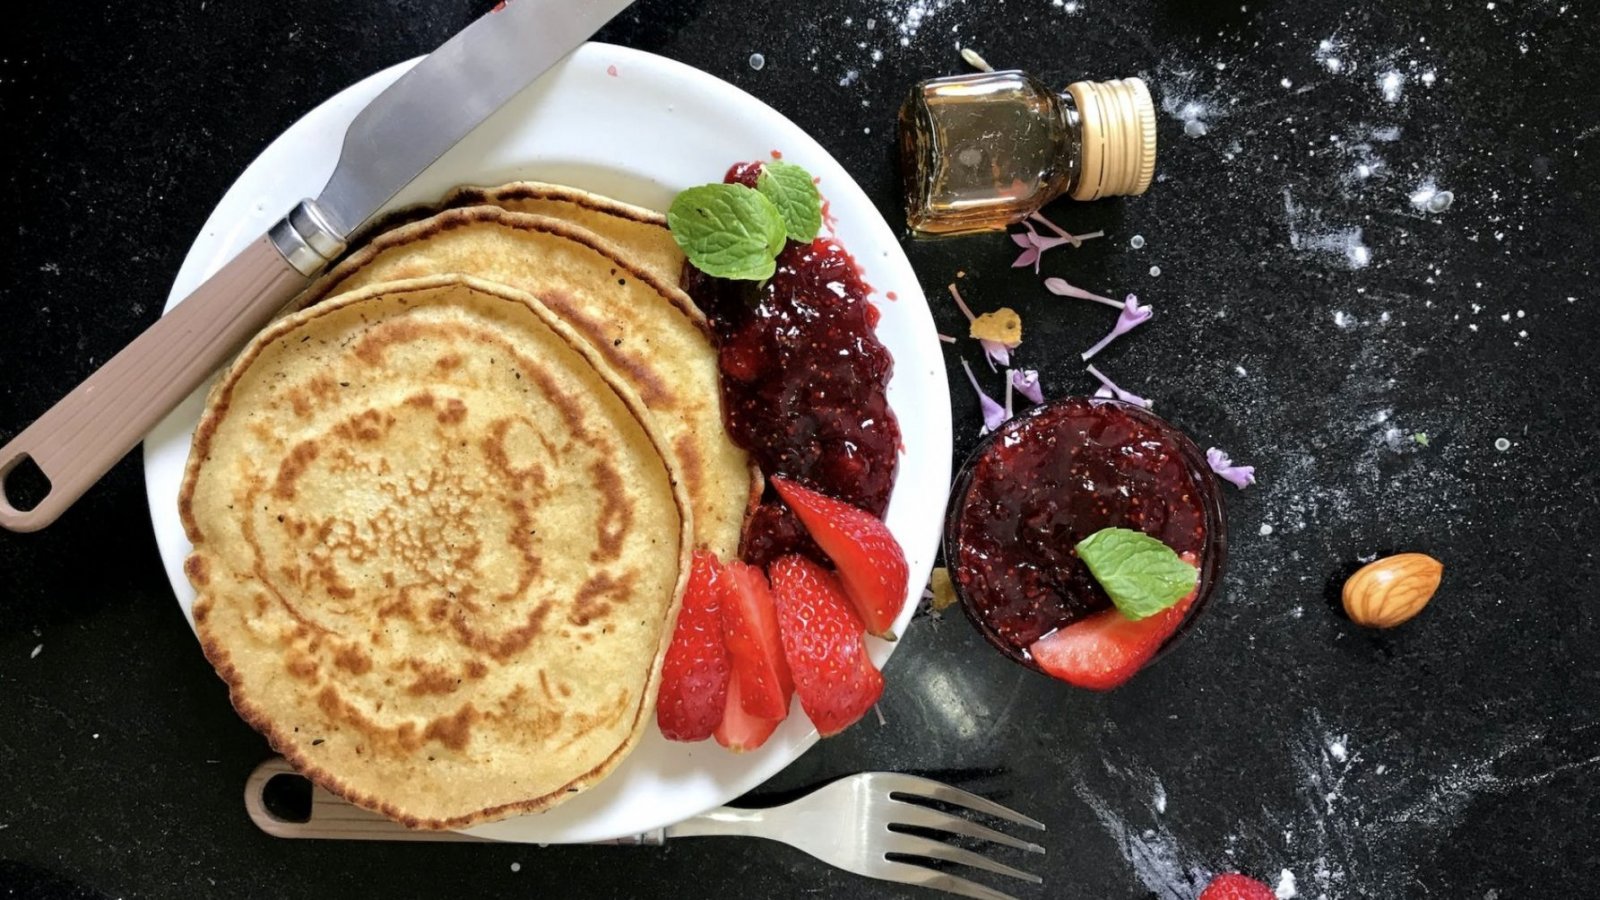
(921, 846)
(906, 873)
(923, 817)
(928, 789)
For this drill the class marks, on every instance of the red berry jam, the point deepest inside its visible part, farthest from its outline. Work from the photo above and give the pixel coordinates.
(804, 383)
(1050, 478)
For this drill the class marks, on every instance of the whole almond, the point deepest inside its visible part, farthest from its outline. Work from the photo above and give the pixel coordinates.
(1385, 593)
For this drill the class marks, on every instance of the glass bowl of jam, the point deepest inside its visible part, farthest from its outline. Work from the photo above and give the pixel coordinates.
(1049, 478)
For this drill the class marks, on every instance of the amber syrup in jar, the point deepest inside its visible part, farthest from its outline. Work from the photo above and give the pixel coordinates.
(981, 152)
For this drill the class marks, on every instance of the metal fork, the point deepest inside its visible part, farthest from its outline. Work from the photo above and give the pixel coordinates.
(850, 823)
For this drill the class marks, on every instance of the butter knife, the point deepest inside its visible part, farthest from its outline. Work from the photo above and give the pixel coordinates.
(399, 134)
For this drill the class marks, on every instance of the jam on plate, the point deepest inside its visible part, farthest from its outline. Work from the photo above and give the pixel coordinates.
(804, 383)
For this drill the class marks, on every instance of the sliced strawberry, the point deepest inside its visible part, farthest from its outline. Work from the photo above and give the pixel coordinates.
(750, 626)
(1106, 649)
(694, 675)
(739, 730)
(823, 642)
(1236, 887)
(870, 562)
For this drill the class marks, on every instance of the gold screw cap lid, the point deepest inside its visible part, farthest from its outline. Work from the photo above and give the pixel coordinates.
(1118, 128)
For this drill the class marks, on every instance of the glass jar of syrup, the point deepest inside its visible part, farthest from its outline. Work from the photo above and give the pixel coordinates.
(981, 152)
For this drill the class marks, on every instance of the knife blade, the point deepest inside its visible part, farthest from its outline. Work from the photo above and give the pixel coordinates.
(400, 133)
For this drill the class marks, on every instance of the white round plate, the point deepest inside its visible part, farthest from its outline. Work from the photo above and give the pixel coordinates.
(639, 128)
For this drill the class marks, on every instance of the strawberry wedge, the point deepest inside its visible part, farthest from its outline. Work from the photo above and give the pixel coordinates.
(750, 626)
(695, 673)
(824, 644)
(871, 564)
(739, 731)
(1106, 649)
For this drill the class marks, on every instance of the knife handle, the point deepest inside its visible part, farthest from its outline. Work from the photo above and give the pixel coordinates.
(80, 438)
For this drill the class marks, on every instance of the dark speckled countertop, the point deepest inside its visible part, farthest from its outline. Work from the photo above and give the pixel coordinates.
(1402, 377)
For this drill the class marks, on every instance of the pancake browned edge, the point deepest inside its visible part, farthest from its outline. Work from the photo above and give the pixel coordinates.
(640, 233)
(648, 330)
(363, 495)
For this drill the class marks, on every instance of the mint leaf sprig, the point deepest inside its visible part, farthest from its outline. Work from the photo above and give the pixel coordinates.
(792, 191)
(1141, 575)
(730, 231)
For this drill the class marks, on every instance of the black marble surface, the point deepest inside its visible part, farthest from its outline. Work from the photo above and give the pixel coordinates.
(1364, 353)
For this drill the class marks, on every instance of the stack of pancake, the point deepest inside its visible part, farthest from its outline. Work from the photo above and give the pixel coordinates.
(442, 512)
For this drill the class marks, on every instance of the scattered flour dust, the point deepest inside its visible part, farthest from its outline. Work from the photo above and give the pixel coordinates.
(1184, 99)
(1357, 828)
(906, 17)
(1308, 234)
(1165, 869)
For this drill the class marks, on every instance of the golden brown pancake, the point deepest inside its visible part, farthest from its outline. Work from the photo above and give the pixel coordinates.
(438, 550)
(647, 330)
(640, 233)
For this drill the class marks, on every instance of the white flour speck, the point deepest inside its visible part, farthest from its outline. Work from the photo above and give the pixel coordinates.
(1286, 887)
(1337, 750)
(1343, 319)
(849, 78)
(1266, 528)
(1241, 371)
(1160, 801)
(1429, 198)
(1327, 53)
(36, 651)
(1392, 83)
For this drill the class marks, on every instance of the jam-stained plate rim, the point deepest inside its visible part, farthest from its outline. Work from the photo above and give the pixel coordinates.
(582, 124)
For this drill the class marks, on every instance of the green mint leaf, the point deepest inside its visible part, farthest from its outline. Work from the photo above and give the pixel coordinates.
(727, 230)
(792, 191)
(1141, 575)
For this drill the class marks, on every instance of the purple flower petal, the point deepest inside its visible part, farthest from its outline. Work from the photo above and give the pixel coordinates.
(996, 351)
(994, 415)
(1119, 393)
(1104, 393)
(960, 303)
(1027, 384)
(1239, 476)
(1035, 244)
(1060, 287)
(1132, 316)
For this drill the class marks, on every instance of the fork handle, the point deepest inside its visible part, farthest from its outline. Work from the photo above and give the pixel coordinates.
(334, 818)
